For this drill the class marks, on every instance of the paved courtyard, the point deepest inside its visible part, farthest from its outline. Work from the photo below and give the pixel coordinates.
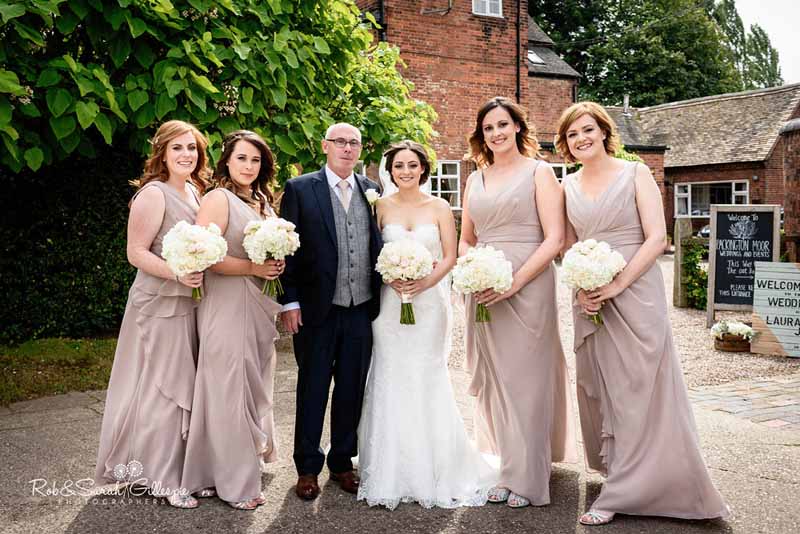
(746, 407)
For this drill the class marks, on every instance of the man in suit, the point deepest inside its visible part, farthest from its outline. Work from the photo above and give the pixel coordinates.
(331, 296)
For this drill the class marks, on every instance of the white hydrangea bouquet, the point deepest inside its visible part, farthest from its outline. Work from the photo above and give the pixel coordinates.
(591, 264)
(479, 269)
(404, 259)
(191, 248)
(734, 328)
(273, 238)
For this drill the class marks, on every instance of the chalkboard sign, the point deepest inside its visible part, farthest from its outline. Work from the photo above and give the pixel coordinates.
(776, 309)
(740, 235)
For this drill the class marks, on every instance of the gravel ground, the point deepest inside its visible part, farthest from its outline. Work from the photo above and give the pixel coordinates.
(702, 365)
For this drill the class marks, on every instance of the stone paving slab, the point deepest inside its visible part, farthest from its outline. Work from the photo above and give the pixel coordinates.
(772, 403)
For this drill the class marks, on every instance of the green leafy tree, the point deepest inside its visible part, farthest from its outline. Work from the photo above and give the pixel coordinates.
(78, 75)
(761, 66)
(654, 50)
(726, 15)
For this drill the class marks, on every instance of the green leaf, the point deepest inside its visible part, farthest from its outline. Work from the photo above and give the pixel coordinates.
(204, 83)
(71, 142)
(85, 85)
(9, 12)
(247, 95)
(48, 77)
(9, 83)
(70, 63)
(115, 17)
(136, 99)
(144, 54)
(104, 127)
(164, 105)
(26, 32)
(120, 49)
(30, 110)
(285, 144)
(144, 117)
(11, 146)
(86, 112)
(58, 100)
(291, 58)
(278, 96)
(242, 50)
(67, 22)
(136, 25)
(321, 45)
(80, 9)
(196, 99)
(174, 87)
(34, 158)
(5, 111)
(62, 126)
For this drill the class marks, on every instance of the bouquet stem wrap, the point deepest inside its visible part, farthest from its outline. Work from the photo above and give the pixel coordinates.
(406, 310)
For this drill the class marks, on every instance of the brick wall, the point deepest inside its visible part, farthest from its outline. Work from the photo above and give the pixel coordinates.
(791, 160)
(459, 60)
(767, 189)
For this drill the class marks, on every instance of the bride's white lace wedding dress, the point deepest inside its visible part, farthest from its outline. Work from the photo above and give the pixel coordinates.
(412, 441)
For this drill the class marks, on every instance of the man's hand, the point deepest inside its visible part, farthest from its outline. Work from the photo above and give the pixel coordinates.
(292, 320)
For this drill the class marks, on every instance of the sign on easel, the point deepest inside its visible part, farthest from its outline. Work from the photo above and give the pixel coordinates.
(740, 235)
(776, 309)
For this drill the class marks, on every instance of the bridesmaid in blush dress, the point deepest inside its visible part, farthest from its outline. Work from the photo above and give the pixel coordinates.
(149, 398)
(232, 424)
(638, 427)
(519, 374)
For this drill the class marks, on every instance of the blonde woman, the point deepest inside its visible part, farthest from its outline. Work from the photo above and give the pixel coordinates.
(637, 424)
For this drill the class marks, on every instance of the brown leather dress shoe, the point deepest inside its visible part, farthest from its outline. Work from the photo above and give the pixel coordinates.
(347, 480)
(307, 487)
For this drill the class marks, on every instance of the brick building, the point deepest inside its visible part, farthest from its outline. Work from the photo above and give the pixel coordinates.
(461, 53)
(723, 149)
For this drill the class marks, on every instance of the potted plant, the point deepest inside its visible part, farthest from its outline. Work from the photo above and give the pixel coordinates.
(732, 336)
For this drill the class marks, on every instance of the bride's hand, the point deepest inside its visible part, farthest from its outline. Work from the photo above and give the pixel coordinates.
(415, 287)
(398, 286)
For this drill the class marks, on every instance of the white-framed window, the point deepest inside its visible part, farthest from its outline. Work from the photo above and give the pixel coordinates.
(489, 8)
(446, 183)
(560, 170)
(694, 199)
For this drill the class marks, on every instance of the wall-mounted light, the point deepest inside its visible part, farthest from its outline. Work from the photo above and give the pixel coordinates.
(755, 177)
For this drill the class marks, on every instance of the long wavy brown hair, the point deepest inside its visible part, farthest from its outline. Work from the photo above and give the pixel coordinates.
(527, 144)
(262, 187)
(155, 168)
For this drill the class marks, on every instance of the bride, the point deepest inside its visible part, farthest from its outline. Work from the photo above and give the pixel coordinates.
(412, 441)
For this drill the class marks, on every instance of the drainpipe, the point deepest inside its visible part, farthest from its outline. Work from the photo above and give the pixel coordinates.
(382, 21)
(519, 4)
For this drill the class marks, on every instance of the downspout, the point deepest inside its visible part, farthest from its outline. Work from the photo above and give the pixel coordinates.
(382, 21)
(519, 3)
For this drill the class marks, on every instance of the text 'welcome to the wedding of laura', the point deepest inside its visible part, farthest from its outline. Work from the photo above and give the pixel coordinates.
(776, 309)
(740, 235)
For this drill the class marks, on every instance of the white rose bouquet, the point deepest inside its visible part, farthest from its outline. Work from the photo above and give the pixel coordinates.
(734, 328)
(372, 197)
(273, 238)
(191, 248)
(591, 264)
(404, 260)
(479, 269)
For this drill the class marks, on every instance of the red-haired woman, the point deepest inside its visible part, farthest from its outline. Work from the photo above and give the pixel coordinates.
(637, 424)
(232, 423)
(149, 398)
(519, 375)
